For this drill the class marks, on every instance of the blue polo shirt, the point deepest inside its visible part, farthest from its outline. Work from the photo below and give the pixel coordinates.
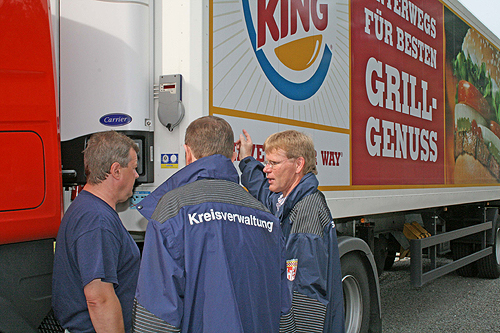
(92, 243)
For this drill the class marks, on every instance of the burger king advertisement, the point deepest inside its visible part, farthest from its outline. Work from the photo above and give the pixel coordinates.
(472, 105)
(282, 64)
(395, 93)
(398, 103)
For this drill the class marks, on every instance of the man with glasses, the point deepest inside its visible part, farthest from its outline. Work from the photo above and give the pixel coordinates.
(288, 186)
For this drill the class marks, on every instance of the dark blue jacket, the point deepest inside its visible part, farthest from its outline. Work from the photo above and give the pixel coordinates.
(311, 240)
(213, 258)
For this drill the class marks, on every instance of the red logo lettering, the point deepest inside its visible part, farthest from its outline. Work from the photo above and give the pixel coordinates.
(290, 11)
(257, 152)
(331, 158)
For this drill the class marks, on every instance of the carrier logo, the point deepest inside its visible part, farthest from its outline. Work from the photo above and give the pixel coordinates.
(291, 42)
(115, 119)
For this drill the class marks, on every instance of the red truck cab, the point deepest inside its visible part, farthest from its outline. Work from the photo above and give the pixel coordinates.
(30, 164)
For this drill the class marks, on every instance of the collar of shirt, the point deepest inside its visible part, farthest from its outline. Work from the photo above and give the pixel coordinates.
(280, 202)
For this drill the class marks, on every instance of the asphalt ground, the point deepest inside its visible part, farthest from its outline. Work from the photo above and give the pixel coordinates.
(450, 303)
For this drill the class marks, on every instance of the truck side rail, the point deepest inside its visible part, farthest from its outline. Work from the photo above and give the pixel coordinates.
(418, 277)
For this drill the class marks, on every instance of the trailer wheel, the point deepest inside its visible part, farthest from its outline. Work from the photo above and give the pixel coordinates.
(489, 267)
(460, 250)
(392, 248)
(356, 294)
(380, 253)
(389, 260)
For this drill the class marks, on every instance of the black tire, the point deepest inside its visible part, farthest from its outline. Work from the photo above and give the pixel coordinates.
(389, 260)
(392, 248)
(380, 253)
(356, 294)
(460, 250)
(489, 267)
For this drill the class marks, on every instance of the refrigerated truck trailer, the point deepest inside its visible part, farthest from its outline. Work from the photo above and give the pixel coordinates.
(401, 98)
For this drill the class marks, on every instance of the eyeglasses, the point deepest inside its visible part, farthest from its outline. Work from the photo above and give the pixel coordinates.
(272, 164)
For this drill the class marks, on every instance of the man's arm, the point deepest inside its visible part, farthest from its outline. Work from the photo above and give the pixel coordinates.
(104, 307)
(252, 171)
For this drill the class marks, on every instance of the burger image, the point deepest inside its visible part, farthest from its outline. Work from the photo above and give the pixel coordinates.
(477, 111)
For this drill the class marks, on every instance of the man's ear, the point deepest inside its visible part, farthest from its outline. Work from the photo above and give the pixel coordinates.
(235, 155)
(189, 155)
(115, 170)
(301, 162)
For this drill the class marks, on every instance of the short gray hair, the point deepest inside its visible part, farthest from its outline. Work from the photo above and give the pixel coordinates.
(104, 149)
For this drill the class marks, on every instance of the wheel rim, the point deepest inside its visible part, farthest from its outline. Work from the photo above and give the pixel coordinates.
(353, 304)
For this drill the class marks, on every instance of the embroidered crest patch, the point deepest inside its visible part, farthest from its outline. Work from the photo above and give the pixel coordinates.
(291, 268)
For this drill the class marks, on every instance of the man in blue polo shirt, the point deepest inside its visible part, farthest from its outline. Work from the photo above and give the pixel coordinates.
(96, 260)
